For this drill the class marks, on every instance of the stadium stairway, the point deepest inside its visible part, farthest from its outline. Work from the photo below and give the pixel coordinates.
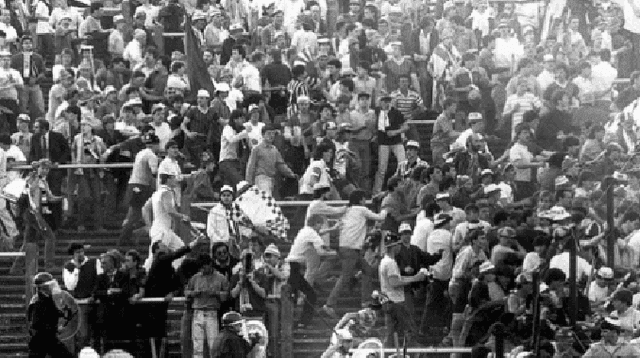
(309, 342)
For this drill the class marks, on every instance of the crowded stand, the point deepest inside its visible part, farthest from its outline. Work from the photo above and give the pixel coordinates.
(471, 166)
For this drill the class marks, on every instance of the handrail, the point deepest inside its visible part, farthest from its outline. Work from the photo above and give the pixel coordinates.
(282, 203)
(86, 301)
(12, 254)
(433, 350)
(77, 166)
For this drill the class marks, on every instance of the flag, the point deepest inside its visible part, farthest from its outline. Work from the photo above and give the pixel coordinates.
(196, 68)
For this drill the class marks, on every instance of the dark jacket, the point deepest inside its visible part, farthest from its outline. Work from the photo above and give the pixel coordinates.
(229, 344)
(43, 316)
(396, 120)
(462, 161)
(37, 65)
(276, 74)
(59, 151)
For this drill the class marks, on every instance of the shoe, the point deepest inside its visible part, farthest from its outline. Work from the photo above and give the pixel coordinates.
(330, 311)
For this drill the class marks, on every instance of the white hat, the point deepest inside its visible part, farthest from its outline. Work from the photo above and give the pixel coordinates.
(241, 185)
(441, 196)
(412, 143)
(491, 188)
(344, 334)
(321, 185)
(118, 18)
(109, 89)
(558, 213)
(272, 249)
(203, 93)
(548, 58)
(441, 218)
(139, 32)
(404, 227)
(486, 172)
(236, 27)
(226, 188)
(561, 180)
(198, 15)
(253, 107)
(486, 267)
(88, 352)
(605, 273)
(303, 99)
(223, 87)
(474, 116)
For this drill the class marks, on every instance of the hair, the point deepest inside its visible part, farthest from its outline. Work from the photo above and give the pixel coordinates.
(347, 82)
(320, 150)
(135, 255)
(335, 63)
(257, 56)
(554, 274)
(471, 208)
(241, 50)
(393, 182)
(5, 139)
(298, 70)
(474, 235)
(204, 259)
(487, 40)
(429, 172)
(500, 217)
(356, 197)
(563, 67)
(630, 216)
(176, 66)
(44, 124)
(315, 219)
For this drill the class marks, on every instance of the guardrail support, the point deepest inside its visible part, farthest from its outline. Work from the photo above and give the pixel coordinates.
(286, 322)
(30, 270)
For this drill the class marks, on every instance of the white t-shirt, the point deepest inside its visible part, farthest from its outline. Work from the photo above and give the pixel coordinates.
(251, 78)
(151, 13)
(561, 261)
(255, 134)
(441, 239)
(389, 268)
(306, 240)
(631, 20)
(145, 164)
(163, 131)
(421, 233)
(598, 294)
(520, 154)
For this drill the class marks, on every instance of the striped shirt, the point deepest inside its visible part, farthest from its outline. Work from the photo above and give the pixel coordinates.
(406, 104)
(526, 102)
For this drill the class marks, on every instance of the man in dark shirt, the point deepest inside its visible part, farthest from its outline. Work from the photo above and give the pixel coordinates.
(631, 93)
(229, 343)
(409, 261)
(162, 282)
(249, 288)
(230, 42)
(277, 75)
(153, 90)
(44, 315)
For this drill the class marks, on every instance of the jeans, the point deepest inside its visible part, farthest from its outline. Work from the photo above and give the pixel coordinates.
(32, 101)
(273, 324)
(318, 267)
(351, 259)
(299, 284)
(87, 189)
(363, 149)
(383, 161)
(33, 233)
(397, 319)
(437, 310)
(186, 324)
(204, 327)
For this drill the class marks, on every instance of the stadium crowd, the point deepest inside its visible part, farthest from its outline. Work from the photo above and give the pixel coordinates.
(534, 108)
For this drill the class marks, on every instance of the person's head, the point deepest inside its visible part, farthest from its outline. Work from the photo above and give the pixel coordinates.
(477, 239)
(220, 252)
(405, 233)
(411, 150)
(271, 255)
(206, 264)
(574, 23)
(523, 134)
(395, 184)
(132, 259)
(108, 262)
(315, 222)
(203, 97)
(622, 300)
(585, 69)
(540, 244)
(334, 66)
(385, 102)
(41, 126)
(610, 330)
(46, 285)
(630, 222)
(269, 132)
(604, 277)
(469, 60)
(444, 201)
(238, 53)
(140, 36)
(472, 211)
(364, 100)
(555, 278)
(561, 72)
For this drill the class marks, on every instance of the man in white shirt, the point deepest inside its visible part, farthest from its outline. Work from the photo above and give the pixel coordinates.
(9, 231)
(602, 76)
(133, 50)
(397, 317)
(547, 76)
(600, 289)
(307, 243)
(561, 261)
(250, 73)
(150, 11)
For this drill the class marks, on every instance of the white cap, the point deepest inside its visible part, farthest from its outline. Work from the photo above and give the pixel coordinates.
(241, 185)
(88, 352)
(226, 188)
(109, 89)
(223, 87)
(413, 143)
(344, 334)
(548, 58)
(486, 266)
(203, 93)
(486, 172)
(253, 107)
(198, 15)
(272, 249)
(118, 18)
(404, 227)
(236, 27)
(605, 273)
(441, 196)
